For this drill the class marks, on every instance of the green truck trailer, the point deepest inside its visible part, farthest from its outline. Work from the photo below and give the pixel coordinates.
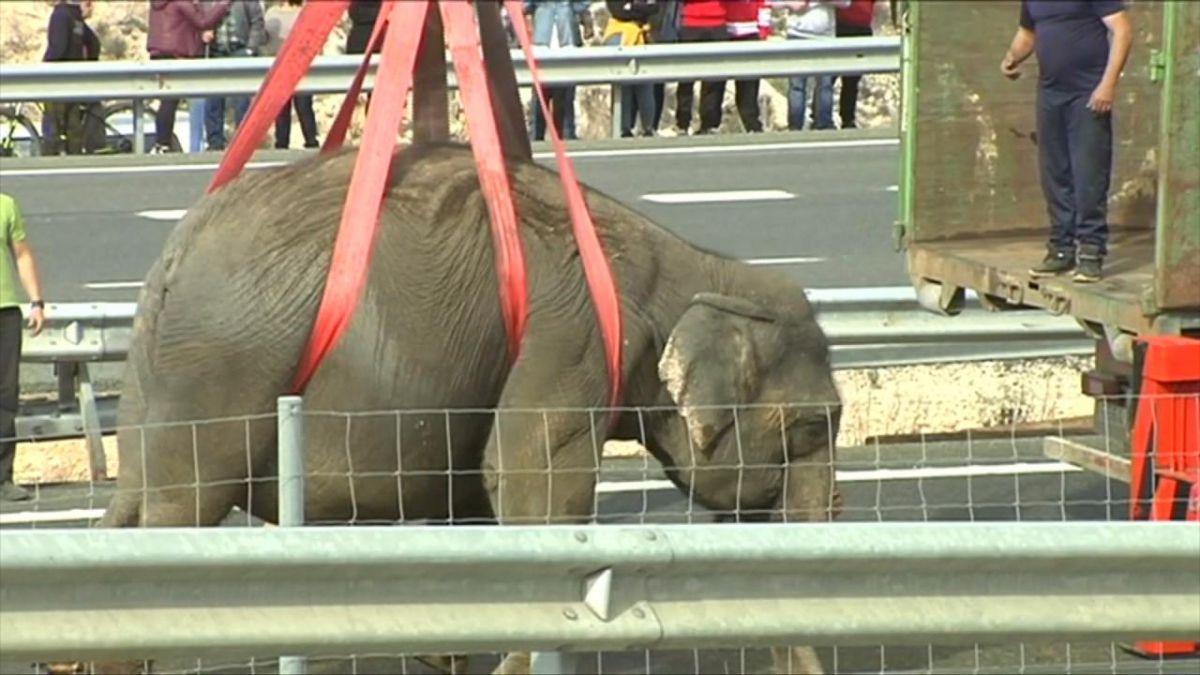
(972, 215)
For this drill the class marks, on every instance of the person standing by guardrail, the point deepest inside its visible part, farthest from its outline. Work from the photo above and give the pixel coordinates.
(664, 29)
(811, 20)
(700, 21)
(278, 22)
(16, 252)
(174, 32)
(241, 33)
(562, 24)
(363, 14)
(853, 21)
(748, 20)
(629, 26)
(74, 127)
(1079, 65)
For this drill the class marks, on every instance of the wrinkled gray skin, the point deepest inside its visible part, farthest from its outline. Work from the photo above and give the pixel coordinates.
(227, 308)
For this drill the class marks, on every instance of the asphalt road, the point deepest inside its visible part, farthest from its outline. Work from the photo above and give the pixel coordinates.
(1025, 486)
(818, 206)
(821, 207)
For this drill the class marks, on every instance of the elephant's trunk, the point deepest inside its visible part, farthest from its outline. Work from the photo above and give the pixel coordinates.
(810, 492)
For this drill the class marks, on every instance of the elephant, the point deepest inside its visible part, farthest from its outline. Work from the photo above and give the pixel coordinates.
(727, 379)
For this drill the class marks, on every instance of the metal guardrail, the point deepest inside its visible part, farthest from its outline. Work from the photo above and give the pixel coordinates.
(141, 80)
(78, 334)
(849, 316)
(329, 74)
(253, 592)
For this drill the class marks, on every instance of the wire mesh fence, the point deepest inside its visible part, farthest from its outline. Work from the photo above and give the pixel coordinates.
(753, 463)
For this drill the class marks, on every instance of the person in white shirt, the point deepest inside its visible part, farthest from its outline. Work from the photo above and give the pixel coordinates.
(811, 20)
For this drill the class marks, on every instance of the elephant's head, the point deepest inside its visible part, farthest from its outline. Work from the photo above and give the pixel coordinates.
(757, 409)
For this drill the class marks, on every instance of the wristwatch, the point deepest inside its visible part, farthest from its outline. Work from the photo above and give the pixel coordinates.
(37, 304)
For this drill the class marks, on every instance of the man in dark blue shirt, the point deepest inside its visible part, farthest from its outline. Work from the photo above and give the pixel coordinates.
(1078, 66)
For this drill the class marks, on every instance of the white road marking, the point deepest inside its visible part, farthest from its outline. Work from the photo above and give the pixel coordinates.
(893, 188)
(49, 516)
(783, 261)
(710, 197)
(722, 149)
(844, 476)
(112, 285)
(144, 168)
(578, 154)
(163, 214)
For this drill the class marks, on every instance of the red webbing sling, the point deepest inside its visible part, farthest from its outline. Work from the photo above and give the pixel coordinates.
(595, 264)
(458, 20)
(341, 124)
(372, 169)
(353, 246)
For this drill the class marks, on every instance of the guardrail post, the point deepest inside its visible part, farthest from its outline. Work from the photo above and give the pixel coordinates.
(75, 390)
(139, 127)
(65, 371)
(86, 395)
(615, 127)
(291, 487)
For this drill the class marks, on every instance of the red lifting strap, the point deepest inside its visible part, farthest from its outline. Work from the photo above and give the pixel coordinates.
(462, 38)
(595, 264)
(308, 36)
(353, 246)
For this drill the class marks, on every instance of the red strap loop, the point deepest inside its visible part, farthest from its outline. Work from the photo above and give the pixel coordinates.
(462, 38)
(351, 256)
(372, 167)
(595, 264)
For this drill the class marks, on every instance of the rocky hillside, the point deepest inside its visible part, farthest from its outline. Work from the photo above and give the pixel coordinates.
(121, 26)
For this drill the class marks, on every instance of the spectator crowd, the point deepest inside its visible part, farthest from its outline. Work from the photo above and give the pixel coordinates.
(214, 29)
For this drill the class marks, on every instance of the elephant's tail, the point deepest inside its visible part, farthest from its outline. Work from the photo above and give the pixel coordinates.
(122, 511)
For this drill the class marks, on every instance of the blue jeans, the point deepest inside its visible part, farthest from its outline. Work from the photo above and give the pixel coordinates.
(798, 100)
(196, 124)
(214, 118)
(822, 105)
(1075, 155)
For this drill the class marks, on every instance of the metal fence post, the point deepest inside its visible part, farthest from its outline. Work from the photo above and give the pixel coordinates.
(291, 487)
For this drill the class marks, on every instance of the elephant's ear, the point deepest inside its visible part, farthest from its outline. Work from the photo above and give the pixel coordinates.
(715, 359)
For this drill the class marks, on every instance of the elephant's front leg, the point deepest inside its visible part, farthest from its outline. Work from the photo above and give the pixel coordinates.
(541, 467)
(542, 458)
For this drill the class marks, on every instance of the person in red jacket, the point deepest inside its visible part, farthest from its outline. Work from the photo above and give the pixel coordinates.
(853, 21)
(700, 21)
(743, 21)
(175, 32)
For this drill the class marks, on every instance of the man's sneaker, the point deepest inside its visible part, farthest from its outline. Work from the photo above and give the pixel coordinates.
(1055, 262)
(1088, 270)
(11, 492)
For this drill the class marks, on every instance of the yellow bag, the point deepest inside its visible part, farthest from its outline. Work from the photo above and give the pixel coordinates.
(630, 33)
